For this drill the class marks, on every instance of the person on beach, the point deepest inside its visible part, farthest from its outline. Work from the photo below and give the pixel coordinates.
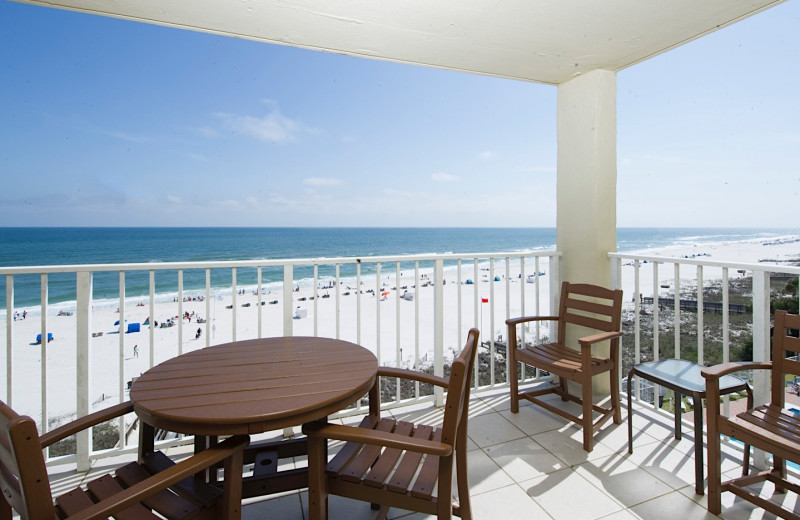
(136, 351)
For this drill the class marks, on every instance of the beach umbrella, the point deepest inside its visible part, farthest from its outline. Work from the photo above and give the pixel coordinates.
(117, 322)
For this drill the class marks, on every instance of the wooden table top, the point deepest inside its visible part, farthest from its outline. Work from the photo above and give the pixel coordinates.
(253, 386)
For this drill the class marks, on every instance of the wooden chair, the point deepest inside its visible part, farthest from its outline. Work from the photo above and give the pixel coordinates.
(155, 484)
(585, 305)
(769, 427)
(382, 456)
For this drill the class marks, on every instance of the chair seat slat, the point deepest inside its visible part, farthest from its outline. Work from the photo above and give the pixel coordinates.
(367, 455)
(167, 503)
(425, 483)
(388, 459)
(409, 463)
(106, 487)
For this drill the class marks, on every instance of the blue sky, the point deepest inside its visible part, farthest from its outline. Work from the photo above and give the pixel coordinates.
(114, 123)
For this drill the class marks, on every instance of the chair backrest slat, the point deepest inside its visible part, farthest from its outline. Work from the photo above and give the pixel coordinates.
(23, 474)
(784, 342)
(589, 306)
(587, 321)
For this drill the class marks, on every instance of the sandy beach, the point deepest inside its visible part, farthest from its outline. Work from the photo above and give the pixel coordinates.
(115, 359)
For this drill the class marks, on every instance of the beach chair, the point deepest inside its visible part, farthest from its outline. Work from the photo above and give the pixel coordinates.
(157, 484)
(585, 308)
(769, 427)
(395, 463)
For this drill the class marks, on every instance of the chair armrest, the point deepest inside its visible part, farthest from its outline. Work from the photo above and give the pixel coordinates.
(164, 479)
(723, 369)
(413, 375)
(524, 319)
(596, 338)
(84, 422)
(378, 438)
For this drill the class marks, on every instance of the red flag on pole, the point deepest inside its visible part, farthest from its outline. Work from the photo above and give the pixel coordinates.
(484, 300)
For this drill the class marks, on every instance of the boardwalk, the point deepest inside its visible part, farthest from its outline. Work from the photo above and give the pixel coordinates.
(691, 305)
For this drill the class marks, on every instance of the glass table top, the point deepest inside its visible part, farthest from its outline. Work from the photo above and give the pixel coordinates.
(682, 374)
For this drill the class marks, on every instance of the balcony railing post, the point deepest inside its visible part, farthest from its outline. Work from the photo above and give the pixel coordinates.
(288, 287)
(83, 314)
(555, 293)
(9, 337)
(761, 345)
(438, 325)
(43, 348)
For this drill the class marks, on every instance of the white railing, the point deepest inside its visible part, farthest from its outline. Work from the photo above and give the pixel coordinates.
(681, 284)
(394, 306)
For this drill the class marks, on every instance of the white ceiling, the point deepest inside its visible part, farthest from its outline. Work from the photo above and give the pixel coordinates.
(547, 41)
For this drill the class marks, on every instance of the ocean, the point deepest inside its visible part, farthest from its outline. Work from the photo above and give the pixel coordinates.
(69, 246)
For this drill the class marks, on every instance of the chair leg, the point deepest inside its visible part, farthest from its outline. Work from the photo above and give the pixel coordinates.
(714, 471)
(779, 467)
(614, 376)
(232, 487)
(317, 481)
(588, 423)
(444, 499)
(462, 480)
(5, 510)
(513, 376)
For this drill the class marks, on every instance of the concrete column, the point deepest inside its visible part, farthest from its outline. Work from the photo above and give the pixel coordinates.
(586, 224)
(586, 189)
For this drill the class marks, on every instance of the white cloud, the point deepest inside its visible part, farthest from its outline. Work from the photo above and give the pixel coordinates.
(322, 181)
(486, 155)
(273, 127)
(444, 177)
(174, 199)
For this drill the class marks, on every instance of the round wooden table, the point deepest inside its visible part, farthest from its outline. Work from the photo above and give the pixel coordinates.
(253, 386)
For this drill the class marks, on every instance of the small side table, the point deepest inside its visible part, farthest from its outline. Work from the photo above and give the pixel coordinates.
(683, 377)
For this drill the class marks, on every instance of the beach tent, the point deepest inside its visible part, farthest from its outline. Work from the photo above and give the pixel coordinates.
(133, 327)
(49, 338)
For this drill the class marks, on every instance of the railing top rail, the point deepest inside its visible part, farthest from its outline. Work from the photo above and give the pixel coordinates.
(704, 261)
(148, 266)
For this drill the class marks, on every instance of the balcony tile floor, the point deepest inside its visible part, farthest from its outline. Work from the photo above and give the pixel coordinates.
(532, 465)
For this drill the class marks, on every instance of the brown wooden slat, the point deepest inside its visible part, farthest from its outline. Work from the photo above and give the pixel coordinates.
(165, 502)
(409, 463)
(791, 366)
(106, 487)
(74, 501)
(428, 475)
(388, 459)
(602, 309)
(343, 456)
(586, 321)
(191, 488)
(367, 455)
